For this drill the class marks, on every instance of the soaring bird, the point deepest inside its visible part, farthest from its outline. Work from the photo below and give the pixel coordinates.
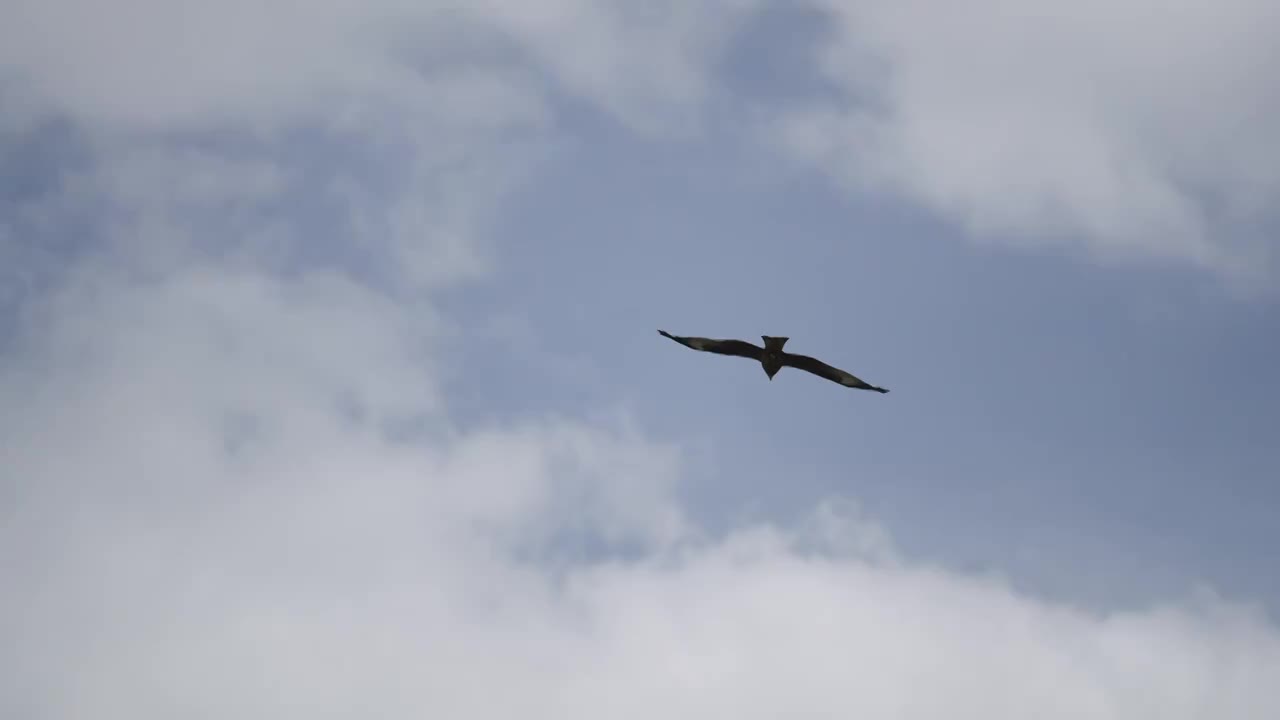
(772, 358)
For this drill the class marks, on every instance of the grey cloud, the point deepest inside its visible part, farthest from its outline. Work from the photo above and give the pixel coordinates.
(1128, 132)
(193, 64)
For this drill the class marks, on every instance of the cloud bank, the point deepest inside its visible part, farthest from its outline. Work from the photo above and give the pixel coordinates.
(236, 494)
(232, 481)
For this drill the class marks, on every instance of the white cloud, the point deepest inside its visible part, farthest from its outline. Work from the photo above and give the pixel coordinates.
(232, 486)
(1135, 129)
(209, 508)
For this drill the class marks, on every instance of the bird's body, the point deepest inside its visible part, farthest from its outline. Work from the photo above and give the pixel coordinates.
(773, 358)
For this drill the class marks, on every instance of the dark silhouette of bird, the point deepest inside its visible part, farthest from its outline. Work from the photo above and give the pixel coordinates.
(772, 358)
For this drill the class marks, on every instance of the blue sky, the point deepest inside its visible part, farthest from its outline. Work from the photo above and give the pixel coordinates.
(330, 337)
(1115, 424)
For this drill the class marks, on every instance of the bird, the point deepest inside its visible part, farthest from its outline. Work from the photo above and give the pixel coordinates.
(773, 358)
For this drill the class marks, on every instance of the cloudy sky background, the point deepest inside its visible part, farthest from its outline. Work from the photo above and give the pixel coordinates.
(329, 382)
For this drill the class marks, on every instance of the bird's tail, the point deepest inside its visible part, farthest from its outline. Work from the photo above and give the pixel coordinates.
(774, 343)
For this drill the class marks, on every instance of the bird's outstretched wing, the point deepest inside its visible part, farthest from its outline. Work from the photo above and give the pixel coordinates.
(739, 348)
(821, 369)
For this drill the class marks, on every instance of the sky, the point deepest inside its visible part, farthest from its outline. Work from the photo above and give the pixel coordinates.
(330, 383)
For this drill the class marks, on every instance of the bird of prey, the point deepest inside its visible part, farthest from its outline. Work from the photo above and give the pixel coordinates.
(772, 358)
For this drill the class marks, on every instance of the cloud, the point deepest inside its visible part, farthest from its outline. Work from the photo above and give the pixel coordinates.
(442, 105)
(235, 493)
(1129, 131)
(1133, 130)
(232, 482)
(197, 64)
